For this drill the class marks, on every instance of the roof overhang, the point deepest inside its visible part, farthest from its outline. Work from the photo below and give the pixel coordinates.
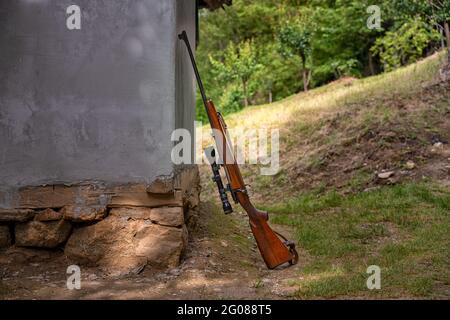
(214, 4)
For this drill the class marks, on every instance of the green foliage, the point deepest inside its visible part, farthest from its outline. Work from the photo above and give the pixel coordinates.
(256, 51)
(405, 45)
(433, 10)
(341, 41)
(349, 67)
(239, 64)
(278, 75)
(231, 99)
(295, 39)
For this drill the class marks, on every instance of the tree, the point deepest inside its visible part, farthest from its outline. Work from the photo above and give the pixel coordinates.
(239, 63)
(441, 10)
(317, 41)
(405, 45)
(295, 39)
(434, 12)
(341, 41)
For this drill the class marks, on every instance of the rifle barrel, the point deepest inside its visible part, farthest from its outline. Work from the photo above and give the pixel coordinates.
(183, 36)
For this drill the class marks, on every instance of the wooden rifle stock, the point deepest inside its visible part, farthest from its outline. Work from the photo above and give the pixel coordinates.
(273, 250)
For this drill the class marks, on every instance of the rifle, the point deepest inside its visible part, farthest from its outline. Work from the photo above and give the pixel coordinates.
(273, 250)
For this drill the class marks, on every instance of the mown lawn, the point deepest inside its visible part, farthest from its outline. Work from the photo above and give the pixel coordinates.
(403, 229)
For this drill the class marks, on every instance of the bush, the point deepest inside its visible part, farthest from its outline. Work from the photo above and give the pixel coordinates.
(405, 45)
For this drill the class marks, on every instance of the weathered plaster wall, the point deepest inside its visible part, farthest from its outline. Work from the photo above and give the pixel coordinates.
(96, 104)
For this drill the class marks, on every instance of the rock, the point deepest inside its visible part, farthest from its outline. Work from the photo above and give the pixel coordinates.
(84, 214)
(42, 234)
(187, 179)
(162, 185)
(127, 265)
(165, 216)
(90, 244)
(120, 246)
(438, 145)
(5, 237)
(386, 175)
(26, 255)
(135, 213)
(193, 198)
(48, 215)
(168, 216)
(370, 189)
(17, 215)
(410, 165)
(162, 246)
(175, 272)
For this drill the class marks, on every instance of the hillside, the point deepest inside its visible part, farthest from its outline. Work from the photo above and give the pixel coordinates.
(364, 179)
(340, 135)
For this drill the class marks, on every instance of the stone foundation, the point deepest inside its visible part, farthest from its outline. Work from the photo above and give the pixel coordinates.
(121, 229)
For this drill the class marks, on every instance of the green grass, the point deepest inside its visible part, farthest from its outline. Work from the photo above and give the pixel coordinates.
(268, 182)
(404, 229)
(304, 106)
(220, 226)
(305, 111)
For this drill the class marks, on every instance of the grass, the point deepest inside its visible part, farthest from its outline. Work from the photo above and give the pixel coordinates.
(219, 226)
(321, 126)
(328, 166)
(305, 106)
(404, 229)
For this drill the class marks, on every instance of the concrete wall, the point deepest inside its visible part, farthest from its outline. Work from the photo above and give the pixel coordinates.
(96, 104)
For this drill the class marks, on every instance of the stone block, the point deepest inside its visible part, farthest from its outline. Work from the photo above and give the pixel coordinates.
(42, 234)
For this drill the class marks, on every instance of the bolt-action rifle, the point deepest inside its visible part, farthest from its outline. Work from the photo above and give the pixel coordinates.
(274, 251)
